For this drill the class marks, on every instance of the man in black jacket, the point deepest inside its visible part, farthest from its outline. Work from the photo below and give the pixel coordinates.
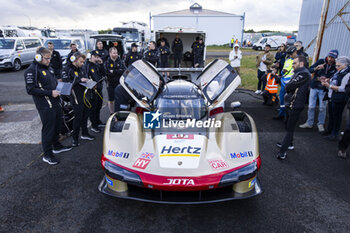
(323, 68)
(56, 61)
(95, 70)
(73, 50)
(80, 97)
(103, 53)
(295, 100)
(41, 84)
(177, 48)
(132, 56)
(152, 55)
(115, 68)
(300, 52)
(198, 54)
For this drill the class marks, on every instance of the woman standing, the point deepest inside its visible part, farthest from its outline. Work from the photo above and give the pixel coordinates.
(235, 58)
(337, 97)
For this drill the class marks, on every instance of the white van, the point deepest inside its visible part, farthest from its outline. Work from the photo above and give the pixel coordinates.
(18, 51)
(273, 41)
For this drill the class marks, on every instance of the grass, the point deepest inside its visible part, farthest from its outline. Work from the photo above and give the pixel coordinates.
(248, 71)
(211, 48)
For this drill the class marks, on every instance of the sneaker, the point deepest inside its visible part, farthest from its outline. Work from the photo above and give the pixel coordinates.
(87, 137)
(257, 92)
(290, 147)
(75, 143)
(320, 128)
(342, 154)
(96, 130)
(60, 148)
(50, 160)
(305, 126)
(282, 156)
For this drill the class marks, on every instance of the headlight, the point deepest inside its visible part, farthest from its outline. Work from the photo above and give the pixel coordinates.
(5, 56)
(241, 174)
(121, 174)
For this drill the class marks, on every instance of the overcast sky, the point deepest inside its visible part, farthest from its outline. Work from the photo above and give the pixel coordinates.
(103, 14)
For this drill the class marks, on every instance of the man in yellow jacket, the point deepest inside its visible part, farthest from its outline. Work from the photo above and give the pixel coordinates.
(263, 62)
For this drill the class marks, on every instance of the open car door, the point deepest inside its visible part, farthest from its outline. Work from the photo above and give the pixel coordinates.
(217, 81)
(142, 82)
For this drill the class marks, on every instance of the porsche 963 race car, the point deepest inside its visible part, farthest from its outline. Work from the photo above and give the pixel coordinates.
(179, 145)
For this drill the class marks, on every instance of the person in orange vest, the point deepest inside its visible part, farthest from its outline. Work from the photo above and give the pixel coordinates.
(271, 88)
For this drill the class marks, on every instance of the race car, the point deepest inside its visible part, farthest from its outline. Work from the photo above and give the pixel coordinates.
(179, 145)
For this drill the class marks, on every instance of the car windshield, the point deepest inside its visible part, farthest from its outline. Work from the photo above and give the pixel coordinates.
(181, 108)
(7, 44)
(60, 44)
(128, 35)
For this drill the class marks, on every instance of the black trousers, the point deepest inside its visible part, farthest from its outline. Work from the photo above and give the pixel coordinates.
(345, 140)
(260, 81)
(177, 59)
(51, 119)
(292, 117)
(96, 104)
(81, 115)
(198, 59)
(335, 112)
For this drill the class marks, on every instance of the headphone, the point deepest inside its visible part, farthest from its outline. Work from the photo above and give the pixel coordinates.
(38, 56)
(74, 56)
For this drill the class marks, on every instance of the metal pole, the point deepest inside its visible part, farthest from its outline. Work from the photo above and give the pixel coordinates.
(321, 28)
(243, 28)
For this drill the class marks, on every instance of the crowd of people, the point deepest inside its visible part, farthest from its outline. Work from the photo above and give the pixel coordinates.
(326, 81)
(86, 75)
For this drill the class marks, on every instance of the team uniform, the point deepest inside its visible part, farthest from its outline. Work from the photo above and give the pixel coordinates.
(164, 53)
(177, 48)
(114, 70)
(152, 56)
(131, 57)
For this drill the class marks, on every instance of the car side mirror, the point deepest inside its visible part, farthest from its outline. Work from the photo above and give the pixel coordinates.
(19, 48)
(235, 104)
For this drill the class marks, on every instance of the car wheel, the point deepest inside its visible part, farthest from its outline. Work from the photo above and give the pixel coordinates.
(259, 48)
(17, 65)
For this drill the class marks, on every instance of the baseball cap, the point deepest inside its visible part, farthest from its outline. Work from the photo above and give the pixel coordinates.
(95, 53)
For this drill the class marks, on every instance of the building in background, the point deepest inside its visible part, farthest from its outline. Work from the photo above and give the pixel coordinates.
(219, 27)
(336, 34)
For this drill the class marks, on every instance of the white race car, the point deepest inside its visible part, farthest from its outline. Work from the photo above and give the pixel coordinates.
(179, 146)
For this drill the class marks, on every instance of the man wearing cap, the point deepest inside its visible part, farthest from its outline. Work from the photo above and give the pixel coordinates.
(323, 68)
(94, 70)
(132, 56)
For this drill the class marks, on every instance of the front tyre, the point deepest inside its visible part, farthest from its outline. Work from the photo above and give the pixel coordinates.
(17, 65)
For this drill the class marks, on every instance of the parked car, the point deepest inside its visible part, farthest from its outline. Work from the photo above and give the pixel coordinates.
(18, 51)
(62, 45)
(110, 40)
(273, 41)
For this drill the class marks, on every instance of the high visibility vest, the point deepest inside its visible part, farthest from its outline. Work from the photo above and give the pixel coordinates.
(288, 66)
(271, 85)
(232, 41)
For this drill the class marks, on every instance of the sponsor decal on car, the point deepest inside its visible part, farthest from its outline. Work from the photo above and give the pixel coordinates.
(118, 154)
(179, 136)
(180, 151)
(151, 120)
(179, 182)
(241, 155)
(144, 160)
(109, 181)
(141, 163)
(218, 164)
(252, 183)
